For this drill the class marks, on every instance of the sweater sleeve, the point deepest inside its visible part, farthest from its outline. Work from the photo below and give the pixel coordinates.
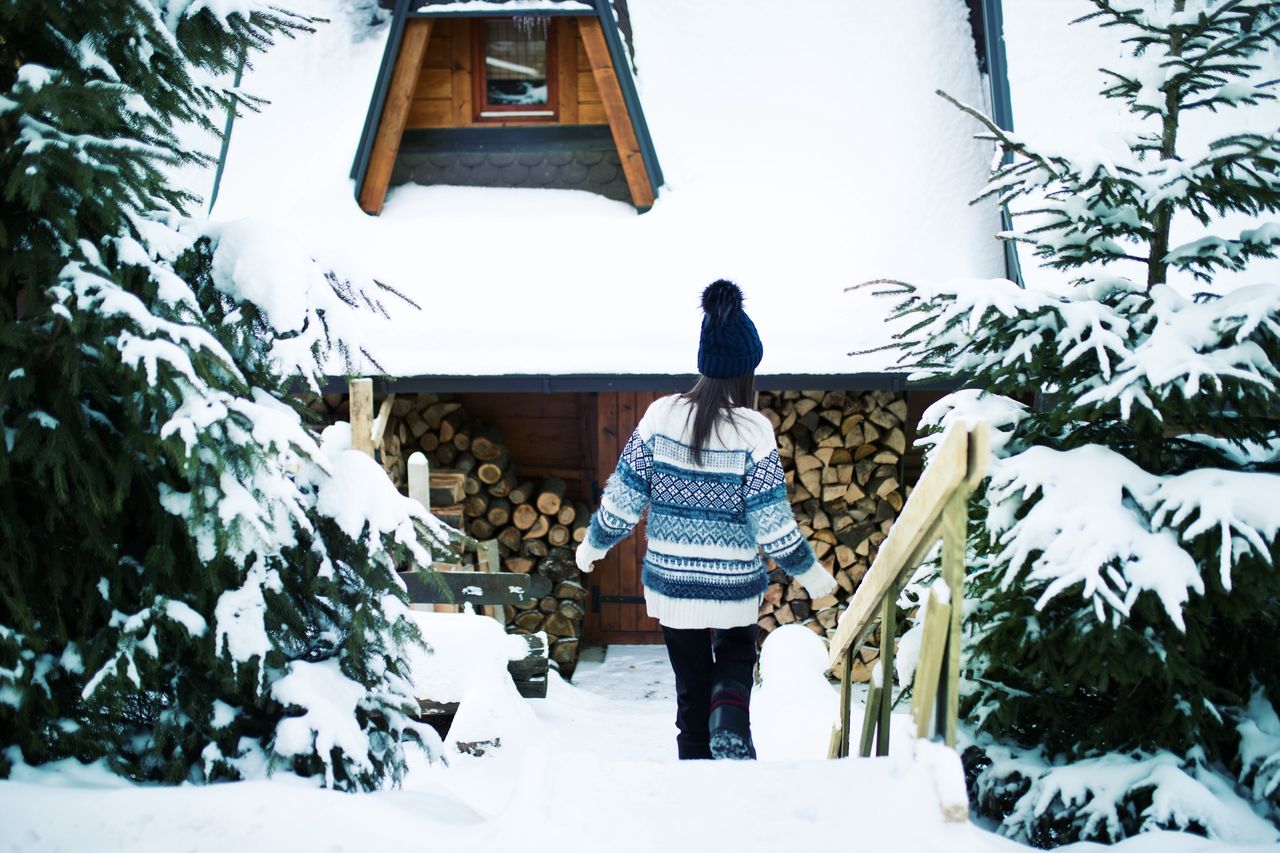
(773, 525)
(625, 498)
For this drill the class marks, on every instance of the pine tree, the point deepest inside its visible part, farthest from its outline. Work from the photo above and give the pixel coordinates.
(1126, 541)
(193, 584)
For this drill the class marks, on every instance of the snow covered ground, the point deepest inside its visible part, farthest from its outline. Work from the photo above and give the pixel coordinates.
(594, 769)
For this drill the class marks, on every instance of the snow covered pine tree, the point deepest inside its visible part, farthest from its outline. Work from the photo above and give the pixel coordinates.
(1121, 674)
(192, 587)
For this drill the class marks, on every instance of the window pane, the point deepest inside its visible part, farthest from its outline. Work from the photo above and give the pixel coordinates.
(515, 63)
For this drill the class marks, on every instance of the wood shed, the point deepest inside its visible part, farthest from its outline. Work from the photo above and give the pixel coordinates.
(533, 465)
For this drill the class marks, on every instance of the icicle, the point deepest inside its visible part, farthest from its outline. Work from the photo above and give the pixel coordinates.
(528, 24)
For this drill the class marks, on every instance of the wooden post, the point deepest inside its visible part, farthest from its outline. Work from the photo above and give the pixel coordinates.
(954, 534)
(888, 626)
(615, 110)
(870, 718)
(361, 391)
(420, 479)
(379, 427)
(925, 693)
(395, 114)
(839, 747)
(487, 560)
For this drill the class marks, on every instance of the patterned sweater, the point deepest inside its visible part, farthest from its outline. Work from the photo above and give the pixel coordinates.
(707, 523)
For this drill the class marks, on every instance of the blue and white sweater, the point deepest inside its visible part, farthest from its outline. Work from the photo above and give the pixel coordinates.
(707, 523)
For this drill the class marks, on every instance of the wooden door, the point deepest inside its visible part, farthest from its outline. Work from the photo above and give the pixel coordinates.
(616, 612)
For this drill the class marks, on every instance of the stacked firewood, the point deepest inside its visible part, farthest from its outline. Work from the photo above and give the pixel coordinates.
(842, 454)
(476, 488)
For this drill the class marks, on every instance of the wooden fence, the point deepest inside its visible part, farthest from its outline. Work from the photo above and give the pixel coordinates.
(937, 509)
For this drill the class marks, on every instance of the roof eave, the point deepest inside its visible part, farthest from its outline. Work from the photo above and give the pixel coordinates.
(588, 382)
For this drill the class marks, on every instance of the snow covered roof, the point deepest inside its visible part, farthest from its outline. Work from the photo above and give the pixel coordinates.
(796, 184)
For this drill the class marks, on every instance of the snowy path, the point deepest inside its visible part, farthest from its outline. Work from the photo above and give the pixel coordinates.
(591, 768)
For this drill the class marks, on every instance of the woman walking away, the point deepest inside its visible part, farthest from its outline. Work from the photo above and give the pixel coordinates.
(706, 467)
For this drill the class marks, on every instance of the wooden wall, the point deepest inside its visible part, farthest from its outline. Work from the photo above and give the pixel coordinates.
(546, 435)
(443, 96)
(612, 420)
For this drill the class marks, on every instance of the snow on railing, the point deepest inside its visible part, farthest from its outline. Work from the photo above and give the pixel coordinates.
(937, 509)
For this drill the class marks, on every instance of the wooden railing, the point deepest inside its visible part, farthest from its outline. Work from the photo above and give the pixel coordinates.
(937, 509)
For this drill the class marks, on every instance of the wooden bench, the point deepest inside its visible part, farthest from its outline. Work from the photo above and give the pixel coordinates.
(456, 585)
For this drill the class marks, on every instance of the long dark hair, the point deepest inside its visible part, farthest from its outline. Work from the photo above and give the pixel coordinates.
(713, 400)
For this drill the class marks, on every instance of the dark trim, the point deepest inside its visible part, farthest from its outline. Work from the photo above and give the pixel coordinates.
(992, 54)
(426, 12)
(540, 138)
(997, 63)
(626, 82)
(364, 151)
(586, 382)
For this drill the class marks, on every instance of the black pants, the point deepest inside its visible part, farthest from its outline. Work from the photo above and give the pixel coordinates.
(702, 658)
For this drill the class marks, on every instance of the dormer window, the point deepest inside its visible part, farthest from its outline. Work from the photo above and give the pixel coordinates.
(515, 70)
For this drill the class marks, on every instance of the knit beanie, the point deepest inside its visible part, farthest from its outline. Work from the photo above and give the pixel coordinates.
(729, 345)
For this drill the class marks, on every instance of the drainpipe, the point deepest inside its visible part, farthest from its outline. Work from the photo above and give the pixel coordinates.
(1001, 113)
(226, 136)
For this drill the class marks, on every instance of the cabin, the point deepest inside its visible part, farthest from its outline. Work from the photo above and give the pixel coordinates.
(497, 162)
(541, 96)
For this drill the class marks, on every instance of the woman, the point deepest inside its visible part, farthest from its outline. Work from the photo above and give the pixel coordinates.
(706, 467)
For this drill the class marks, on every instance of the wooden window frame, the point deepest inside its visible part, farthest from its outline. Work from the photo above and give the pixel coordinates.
(482, 112)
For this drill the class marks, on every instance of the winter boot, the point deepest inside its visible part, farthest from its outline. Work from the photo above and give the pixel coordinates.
(730, 722)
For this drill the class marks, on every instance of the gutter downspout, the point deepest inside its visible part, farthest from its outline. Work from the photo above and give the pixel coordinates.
(1002, 113)
(226, 136)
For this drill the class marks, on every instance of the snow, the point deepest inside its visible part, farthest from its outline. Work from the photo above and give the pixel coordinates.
(1260, 747)
(240, 618)
(608, 740)
(1099, 785)
(363, 501)
(794, 708)
(329, 721)
(795, 201)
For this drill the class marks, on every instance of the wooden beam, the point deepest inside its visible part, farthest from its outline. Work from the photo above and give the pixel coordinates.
(954, 533)
(615, 109)
(395, 113)
(379, 427)
(567, 69)
(460, 60)
(361, 396)
(870, 718)
(450, 588)
(924, 690)
(840, 734)
(888, 627)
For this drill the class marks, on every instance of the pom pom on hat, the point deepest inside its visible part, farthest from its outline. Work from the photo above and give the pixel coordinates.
(721, 300)
(729, 345)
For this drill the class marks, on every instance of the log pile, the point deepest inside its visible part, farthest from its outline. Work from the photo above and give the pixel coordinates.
(476, 488)
(842, 454)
